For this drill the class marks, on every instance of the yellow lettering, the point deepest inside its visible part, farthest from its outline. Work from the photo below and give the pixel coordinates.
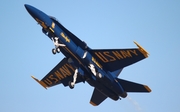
(117, 54)
(69, 66)
(129, 53)
(106, 53)
(98, 54)
(65, 71)
(58, 75)
(62, 34)
(55, 80)
(134, 52)
(125, 54)
(65, 37)
(47, 81)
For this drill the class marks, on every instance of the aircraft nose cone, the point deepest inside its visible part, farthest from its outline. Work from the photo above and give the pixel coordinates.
(29, 8)
(38, 15)
(26, 5)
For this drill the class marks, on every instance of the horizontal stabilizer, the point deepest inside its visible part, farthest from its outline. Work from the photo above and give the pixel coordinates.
(97, 97)
(133, 87)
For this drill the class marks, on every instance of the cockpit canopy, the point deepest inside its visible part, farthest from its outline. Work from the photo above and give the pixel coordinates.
(53, 18)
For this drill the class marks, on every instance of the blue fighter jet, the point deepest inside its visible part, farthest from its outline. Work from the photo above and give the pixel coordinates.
(98, 67)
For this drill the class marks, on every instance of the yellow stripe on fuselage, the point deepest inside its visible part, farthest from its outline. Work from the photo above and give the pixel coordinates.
(51, 29)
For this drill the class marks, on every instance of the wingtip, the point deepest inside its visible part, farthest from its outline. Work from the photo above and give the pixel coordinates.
(92, 103)
(142, 50)
(35, 78)
(147, 88)
(40, 82)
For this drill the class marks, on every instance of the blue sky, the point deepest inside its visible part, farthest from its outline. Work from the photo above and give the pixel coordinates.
(26, 51)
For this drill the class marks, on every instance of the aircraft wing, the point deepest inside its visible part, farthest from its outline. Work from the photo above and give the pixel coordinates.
(62, 73)
(115, 59)
(97, 97)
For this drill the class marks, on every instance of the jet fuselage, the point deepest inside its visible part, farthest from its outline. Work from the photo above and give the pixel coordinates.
(79, 56)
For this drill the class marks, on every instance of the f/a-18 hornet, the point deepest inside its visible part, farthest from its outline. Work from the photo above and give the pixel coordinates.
(100, 68)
